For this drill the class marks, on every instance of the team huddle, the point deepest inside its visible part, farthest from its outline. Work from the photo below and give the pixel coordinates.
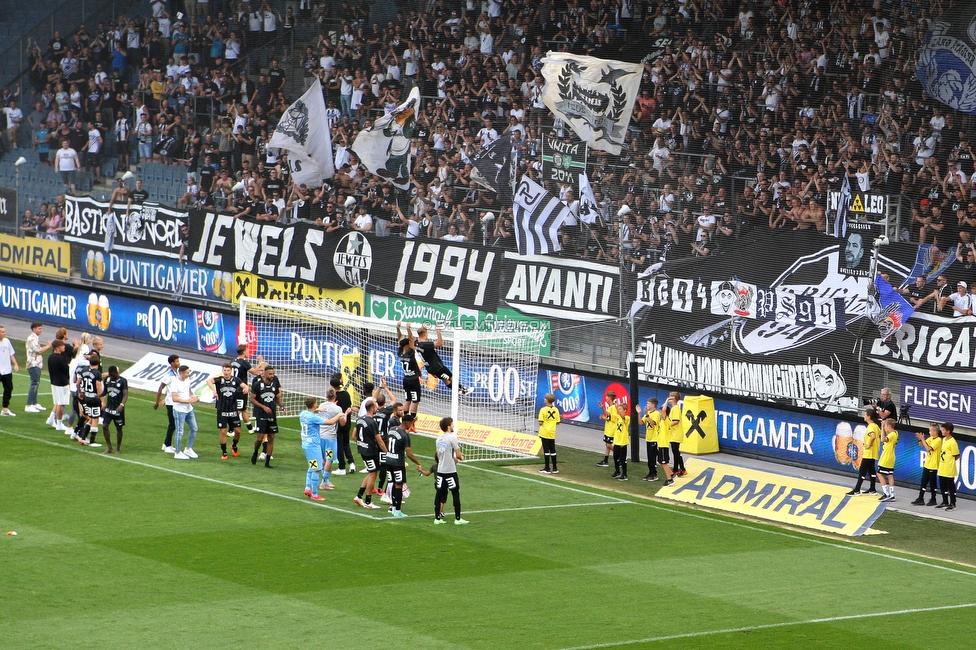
(381, 433)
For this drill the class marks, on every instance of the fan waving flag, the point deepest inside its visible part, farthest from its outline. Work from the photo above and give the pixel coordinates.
(587, 202)
(538, 216)
(304, 134)
(887, 308)
(843, 203)
(594, 96)
(494, 168)
(384, 148)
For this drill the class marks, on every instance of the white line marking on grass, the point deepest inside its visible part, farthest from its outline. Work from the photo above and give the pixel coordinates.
(122, 459)
(771, 626)
(812, 540)
(521, 508)
(538, 481)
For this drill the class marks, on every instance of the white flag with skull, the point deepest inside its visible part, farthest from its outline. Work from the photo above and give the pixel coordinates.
(594, 96)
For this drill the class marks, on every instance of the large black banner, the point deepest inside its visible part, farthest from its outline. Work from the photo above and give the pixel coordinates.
(776, 318)
(147, 229)
(431, 271)
(8, 209)
(768, 320)
(555, 287)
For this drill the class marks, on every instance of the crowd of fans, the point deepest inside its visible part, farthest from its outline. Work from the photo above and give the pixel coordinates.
(748, 114)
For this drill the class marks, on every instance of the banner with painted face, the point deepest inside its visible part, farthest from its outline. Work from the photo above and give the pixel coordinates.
(778, 318)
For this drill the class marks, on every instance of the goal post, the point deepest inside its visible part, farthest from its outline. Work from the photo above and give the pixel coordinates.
(307, 341)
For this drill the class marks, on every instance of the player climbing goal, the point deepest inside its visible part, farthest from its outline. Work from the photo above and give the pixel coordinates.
(494, 413)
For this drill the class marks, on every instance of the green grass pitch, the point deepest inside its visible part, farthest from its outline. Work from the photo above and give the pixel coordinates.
(141, 550)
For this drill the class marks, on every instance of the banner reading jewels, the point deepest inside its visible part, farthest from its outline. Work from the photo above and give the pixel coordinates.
(147, 229)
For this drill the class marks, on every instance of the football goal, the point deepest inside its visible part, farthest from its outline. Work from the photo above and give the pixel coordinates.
(491, 398)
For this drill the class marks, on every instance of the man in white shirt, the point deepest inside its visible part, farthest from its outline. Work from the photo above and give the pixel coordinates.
(962, 305)
(8, 366)
(183, 401)
(94, 151)
(488, 134)
(14, 117)
(66, 163)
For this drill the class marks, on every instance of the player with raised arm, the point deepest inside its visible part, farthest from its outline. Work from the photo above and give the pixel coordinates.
(397, 447)
(226, 389)
(448, 455)
(930, 467)
(617, 414)
(242, 370)
(371, 445)
(411, 369)
(607, 429)
(265, 396)
(89, 382)
(115, 393)
(311, 424)
(435, 366)
(334, 417)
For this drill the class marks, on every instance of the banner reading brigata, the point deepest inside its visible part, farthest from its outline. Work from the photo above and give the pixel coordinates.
(148, 229)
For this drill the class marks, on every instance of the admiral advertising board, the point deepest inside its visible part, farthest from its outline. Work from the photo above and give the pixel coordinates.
(828, 442)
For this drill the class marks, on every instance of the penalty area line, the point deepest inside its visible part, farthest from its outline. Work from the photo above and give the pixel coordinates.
(521, 508)
(771, 626)
(122, 459)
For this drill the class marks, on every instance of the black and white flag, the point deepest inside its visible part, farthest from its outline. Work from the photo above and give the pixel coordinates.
(494, 167)
(303, 132)
(538, 216)
(843, 205)
(594, 96)
(588, 210)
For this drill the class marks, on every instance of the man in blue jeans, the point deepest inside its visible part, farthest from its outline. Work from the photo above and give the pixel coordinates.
(183, 401)
(35, 363)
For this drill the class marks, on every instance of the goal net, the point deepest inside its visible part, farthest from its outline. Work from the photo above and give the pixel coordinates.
(307, 341)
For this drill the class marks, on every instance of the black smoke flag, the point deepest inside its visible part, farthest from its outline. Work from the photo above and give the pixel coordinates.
(494, 167)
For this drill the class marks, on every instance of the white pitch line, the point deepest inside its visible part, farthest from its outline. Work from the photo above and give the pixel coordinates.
(771, 626)
(122, 459)
(521, 508)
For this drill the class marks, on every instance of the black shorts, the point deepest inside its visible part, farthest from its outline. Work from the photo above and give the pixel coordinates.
(109, 416)
(411, 390)
(370, 463)
(397, 474)
(269, 427)
(91, 409)
(886, 471)
(548, 445)
(608, 440)
(440, 372)
(449, 480)
(225, 421)
(663, 455)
